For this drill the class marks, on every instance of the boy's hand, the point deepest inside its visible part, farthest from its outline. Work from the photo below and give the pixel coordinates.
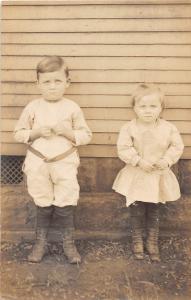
(40, 132)
(45, 131)
(60, 129)
(161, 164)
(145, 165)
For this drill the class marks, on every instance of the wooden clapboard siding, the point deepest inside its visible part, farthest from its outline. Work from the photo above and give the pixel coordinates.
(96, 25)
(103, 63)
(107, 76)
(95, 88)
(97, 12)
(97, 100)
(106, 113)
(94, 2)
(123, 38)
(109, 48)
(98, 50)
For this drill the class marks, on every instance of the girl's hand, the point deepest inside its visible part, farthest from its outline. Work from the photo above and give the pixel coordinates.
(145, 165)
(161, 164)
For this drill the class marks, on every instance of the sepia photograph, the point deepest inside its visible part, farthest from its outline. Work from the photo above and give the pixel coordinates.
(95, 150)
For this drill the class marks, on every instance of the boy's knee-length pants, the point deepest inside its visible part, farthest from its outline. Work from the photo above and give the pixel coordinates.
(53, 183)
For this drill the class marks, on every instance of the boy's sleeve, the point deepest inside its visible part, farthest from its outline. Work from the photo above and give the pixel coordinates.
(125, 147)
(82, 132)
(24, 125)
(176, 147)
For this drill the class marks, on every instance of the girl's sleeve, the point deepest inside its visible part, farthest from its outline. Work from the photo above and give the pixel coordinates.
(24, 125)
(82, 132)
(176, 147)
(125, 147)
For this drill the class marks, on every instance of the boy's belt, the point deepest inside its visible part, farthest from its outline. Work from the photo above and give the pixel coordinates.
(53, 159)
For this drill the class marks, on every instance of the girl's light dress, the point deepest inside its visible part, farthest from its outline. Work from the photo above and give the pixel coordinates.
(162, 141)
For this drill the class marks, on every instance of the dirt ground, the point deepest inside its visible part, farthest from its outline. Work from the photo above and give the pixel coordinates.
(108, 272)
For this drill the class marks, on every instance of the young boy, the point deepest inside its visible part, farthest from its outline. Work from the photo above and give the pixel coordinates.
(53, 126)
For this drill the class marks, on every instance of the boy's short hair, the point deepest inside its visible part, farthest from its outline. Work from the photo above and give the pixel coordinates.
(51, 64)
(144, 89)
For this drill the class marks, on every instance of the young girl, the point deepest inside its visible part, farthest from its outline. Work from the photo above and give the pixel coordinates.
(149, 146)
(53, 126)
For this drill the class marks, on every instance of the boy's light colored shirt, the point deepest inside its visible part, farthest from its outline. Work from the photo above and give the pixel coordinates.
(40, 113)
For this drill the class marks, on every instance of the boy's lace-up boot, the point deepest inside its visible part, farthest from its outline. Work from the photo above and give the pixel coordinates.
(65, 223)
(153, 232)
(137, 213)
(69, 247)
(40, 246)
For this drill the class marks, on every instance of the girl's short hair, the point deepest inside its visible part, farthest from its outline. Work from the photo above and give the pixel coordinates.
(144, 89)
(51, 64)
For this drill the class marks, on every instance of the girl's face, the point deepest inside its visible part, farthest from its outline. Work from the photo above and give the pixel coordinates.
(52, 85)
(148, 108)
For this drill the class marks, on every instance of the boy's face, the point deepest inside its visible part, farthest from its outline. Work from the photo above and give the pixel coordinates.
(148, 108)
(52, 85)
